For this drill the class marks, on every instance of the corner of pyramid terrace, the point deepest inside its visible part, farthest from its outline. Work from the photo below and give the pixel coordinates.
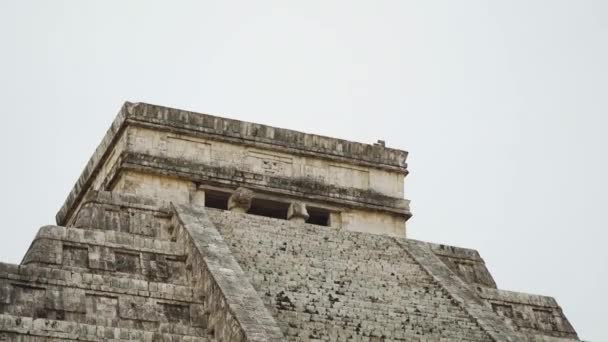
(191, 227)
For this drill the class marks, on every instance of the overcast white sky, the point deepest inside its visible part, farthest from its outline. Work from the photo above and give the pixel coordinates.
(502, 105)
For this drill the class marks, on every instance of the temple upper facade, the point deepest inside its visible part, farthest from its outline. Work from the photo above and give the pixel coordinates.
(200, 159)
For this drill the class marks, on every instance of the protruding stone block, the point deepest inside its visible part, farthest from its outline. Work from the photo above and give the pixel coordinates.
(240, 201)
(297, 212)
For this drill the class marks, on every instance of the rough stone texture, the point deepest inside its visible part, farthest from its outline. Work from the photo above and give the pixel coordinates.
(466, 263)
(533, 314)
(324, 284)
(234, 299)
(131, 269)
(138, 256)
(240, 201)
(297, 212)
(181, 279)
(152, 148)
(459, 291)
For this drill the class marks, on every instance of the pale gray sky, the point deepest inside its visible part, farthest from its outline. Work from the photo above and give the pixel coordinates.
(502, 105)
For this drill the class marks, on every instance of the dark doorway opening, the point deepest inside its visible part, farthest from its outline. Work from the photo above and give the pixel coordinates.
(216, 199)
(318, 216)
(268, 208)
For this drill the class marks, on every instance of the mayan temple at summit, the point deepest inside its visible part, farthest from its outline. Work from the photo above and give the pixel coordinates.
(191, 227)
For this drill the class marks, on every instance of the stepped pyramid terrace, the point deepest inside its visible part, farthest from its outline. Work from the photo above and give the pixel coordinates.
(191, 227)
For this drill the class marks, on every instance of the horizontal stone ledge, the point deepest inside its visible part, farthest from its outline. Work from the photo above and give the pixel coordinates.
(517, 297)
(295, 187)
(108, 238)
(35, 275)
(250, 133)
(74, 331)
(127, 201)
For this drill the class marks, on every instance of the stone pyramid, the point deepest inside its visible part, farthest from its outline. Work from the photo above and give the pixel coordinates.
(190, 227)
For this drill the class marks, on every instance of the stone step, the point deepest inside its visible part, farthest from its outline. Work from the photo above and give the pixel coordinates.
(37, 292)
(112, 284)
(105, 252)
(321, 282)
(21, 329)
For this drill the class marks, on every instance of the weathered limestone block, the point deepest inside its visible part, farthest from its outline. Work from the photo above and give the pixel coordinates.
(75, 256)
(98, 217)
(6, 291)
(240, 201)
(44, 250)
(66, 299)
(127, 262)
(138, 308)
(466, 263)
(533, 314)
(297, 212)
(197, 196)
(102, 305)
(155, 266)
(102, 258)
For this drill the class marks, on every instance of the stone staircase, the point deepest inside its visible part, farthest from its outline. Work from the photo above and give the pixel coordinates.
(130, 269)
(324, 284)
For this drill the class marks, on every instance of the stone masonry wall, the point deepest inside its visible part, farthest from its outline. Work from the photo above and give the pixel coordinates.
(323, 284)
(126, 270)
(133, 269)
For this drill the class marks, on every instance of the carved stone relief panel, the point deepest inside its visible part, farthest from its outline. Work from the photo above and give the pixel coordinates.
(270, 163)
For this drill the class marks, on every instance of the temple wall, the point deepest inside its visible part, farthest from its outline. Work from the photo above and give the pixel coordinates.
(184, 192)
(154, 186)
(220, 154)
(368, 221)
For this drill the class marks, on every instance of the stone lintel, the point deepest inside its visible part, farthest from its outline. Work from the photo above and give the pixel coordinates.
(277, 138)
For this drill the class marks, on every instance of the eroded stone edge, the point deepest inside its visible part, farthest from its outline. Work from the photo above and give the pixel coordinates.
(242, 300)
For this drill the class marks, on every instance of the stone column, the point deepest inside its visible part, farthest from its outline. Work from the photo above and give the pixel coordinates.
(297, 212)
(335, 219)
(240, 201)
